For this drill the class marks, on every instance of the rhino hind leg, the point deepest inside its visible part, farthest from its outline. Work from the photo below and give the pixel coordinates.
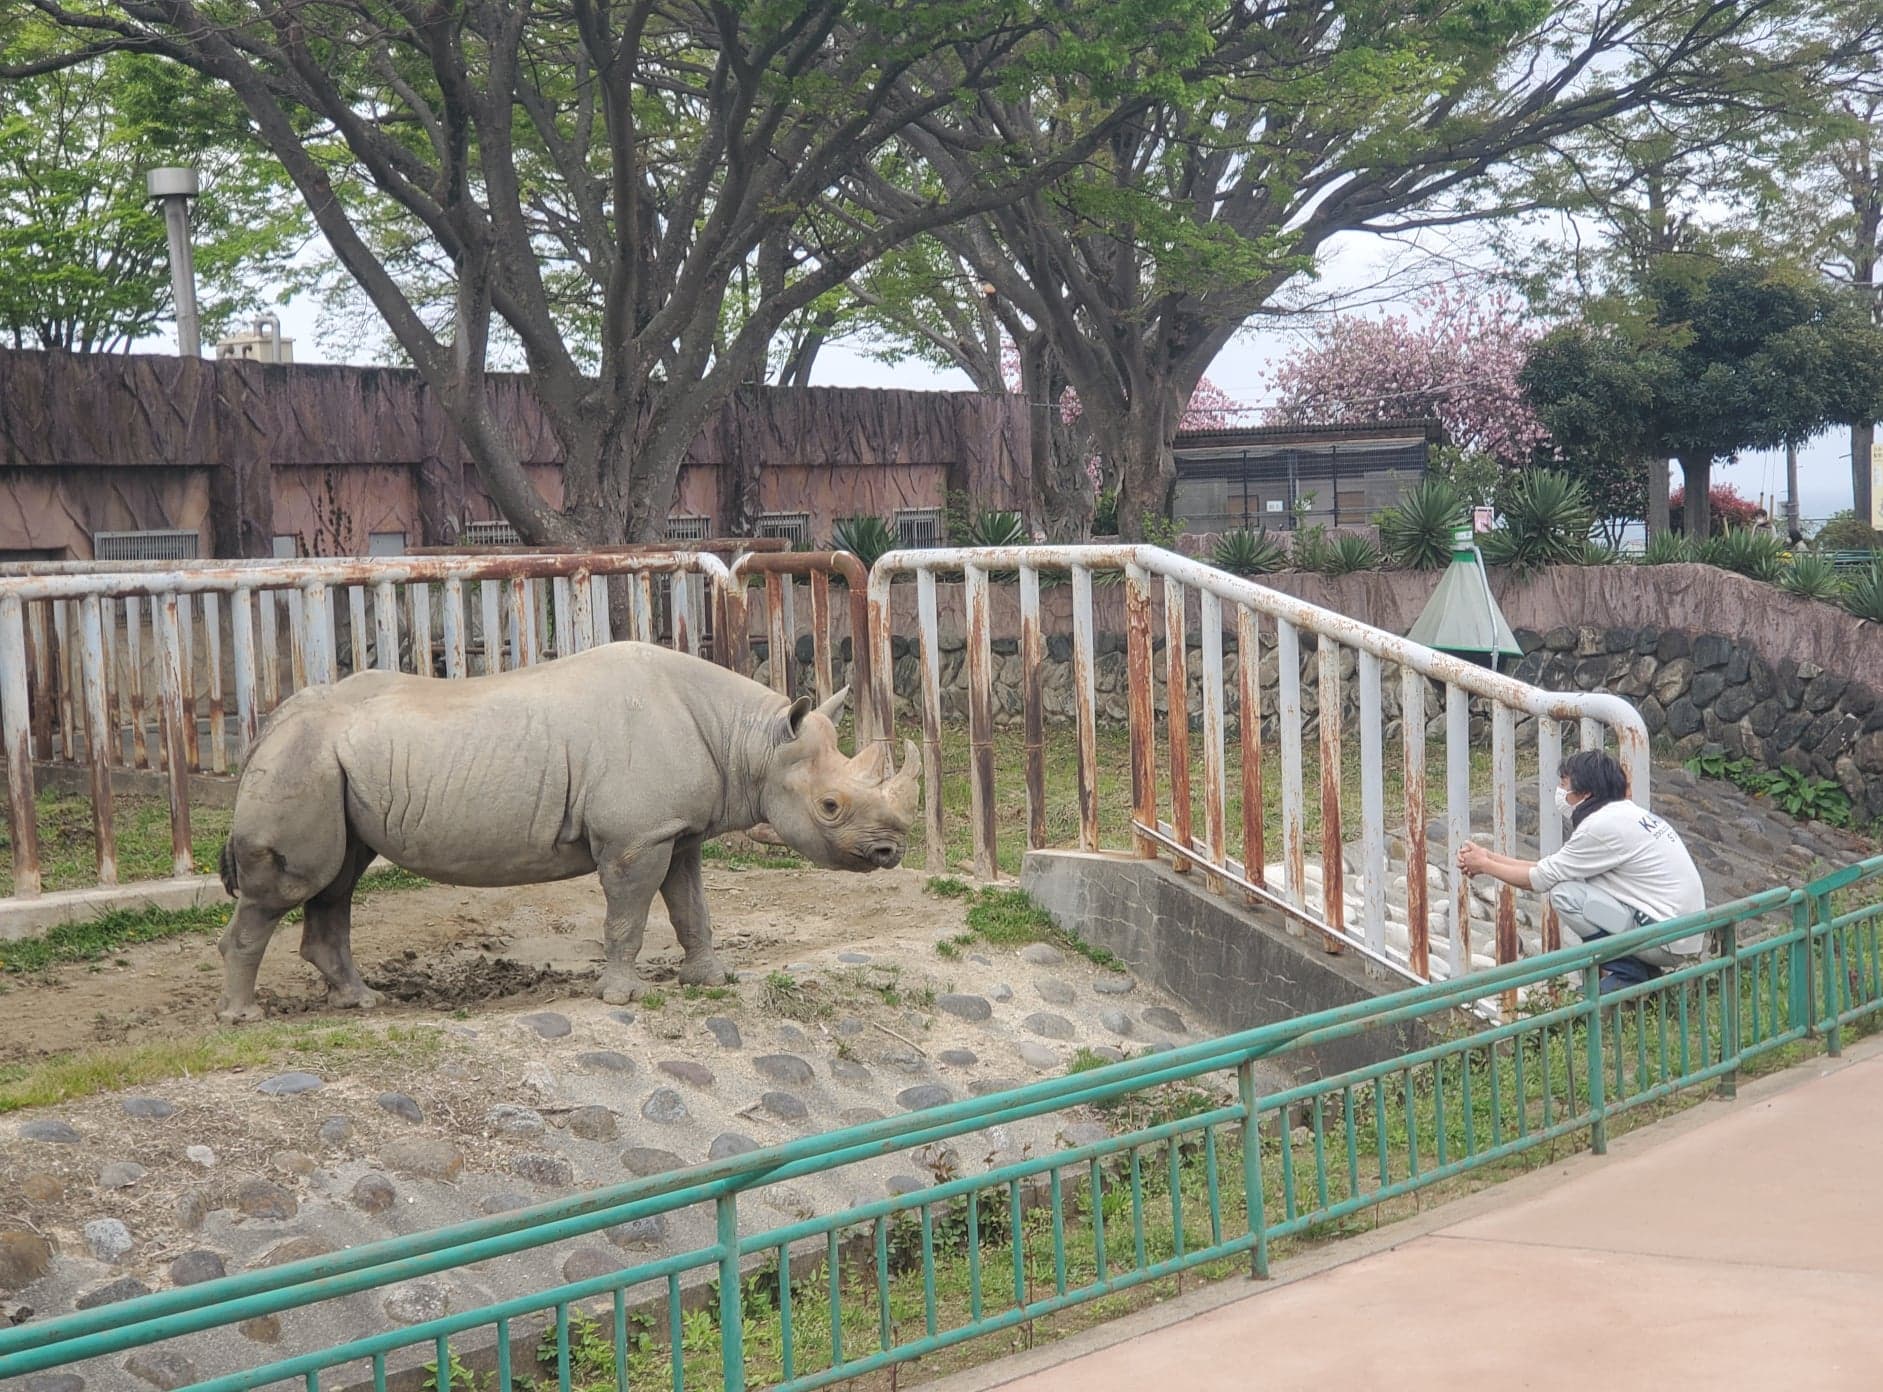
(241, 946)
(685, 893)
(629, 882)
(327, 934)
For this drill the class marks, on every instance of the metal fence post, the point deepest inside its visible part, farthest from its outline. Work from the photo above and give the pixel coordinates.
(731, 1298)
(1598, 1097)
(1254, 1202)
(1833, 993)
(1729, 1010)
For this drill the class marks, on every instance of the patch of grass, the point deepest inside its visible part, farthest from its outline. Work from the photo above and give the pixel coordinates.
(707, 993)
(1010, 918)
(951, 948)
(724, 856)
(91, 1071)
(1084, 1061)
(141, 826)
(785, 996)
(108, 934)
(653, 1000)
(948, 887)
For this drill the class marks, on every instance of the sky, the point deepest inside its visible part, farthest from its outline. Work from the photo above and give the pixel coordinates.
(1355, 264)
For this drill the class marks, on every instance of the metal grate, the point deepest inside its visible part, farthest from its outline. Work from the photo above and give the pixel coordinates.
(793, 527)
(917, 527)
(489, 534)
(173, 545)
(689, 528)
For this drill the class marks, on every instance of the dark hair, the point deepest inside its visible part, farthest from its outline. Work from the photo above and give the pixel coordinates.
(1598, 778)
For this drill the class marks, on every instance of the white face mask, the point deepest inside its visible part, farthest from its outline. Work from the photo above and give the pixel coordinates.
(1562, 801)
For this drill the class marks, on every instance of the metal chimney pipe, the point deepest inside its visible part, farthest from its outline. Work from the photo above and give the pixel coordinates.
(174, 188)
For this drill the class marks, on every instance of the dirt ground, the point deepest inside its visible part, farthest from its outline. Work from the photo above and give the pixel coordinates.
(443, 948)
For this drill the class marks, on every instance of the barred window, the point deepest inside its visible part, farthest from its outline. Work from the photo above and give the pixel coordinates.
(165, 545)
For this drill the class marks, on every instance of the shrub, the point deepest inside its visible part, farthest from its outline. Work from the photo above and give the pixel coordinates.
(1669, 548)
(1864, 598)
(869, 539)
(1845, 531)
(1417, 534)
(1813, 577)
(1246, 552)
(997, 529)
(1731, 511)
(1346, 554)
(1756, 555)
(1547, 518)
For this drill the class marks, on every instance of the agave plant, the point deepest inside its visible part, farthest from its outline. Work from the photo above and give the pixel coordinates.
(1864, 598)
(1246, 552)
(1669, 548)
(1417, 535)
(1546, 522)
(1813, 577)
(1757, 555)
(1346, 554)
(869, 539)
(998, 529)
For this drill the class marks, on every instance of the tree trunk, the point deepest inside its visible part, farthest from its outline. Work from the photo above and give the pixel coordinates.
(1657, 497)
(1862, 438)
(1696, 511)
(1062, 489)
(1145, 465)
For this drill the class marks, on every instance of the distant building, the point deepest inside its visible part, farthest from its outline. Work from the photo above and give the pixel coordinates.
(1340, 475)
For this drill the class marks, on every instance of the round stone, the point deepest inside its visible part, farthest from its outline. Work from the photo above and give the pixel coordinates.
(985, 1087)
(431, 1159)
(149, 1108)
(335, 1131)
(664, 1105)
(1042, 955)
(791, 1036)
(24, 1258)
(638, 1232)
(903, 1058)
(786, 1069)
(192, 1207)
(605, 1061)
(686, 1071)
(1037, 1055)
(593, 1124)
(551, 1171)
(959, 1058)
(50, 1133)
(729, 1143)
(1163, 1017)
(293, 1162)
(850, 1071)
(1117, 1022)
(1108, 1053)
(973, 1008)
(200, 1155)
(258, 1198)
(195, 1267)
(289, 1085)
(504, 1201)
(1114, 986)
(1048, 1026)
(1002, 993)
(401, 1106)
(165, 1369)
(855, 959)
(1056, 992)
(1083, 1133)
(42, 1188)
(121, 1174)
(538, 1078)
(784, 1106)
(54, 1382)
(417, 1302)
(107, 1238)
(924, 1095)
(508, 1119)
(546, 1024)
(901, 1184)
(622, 1017)
(263, 1329)
(859, 1116)
(587, 1263)
(373, 1193)
(296, 1249)
(643, 1161)
(849, 1026)
(725, 1031)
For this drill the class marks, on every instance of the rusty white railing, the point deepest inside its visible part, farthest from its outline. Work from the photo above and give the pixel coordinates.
(280, 625)
(1261, 621)
(780, 574)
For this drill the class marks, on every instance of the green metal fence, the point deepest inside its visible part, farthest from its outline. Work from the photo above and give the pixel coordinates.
(1204, 1170)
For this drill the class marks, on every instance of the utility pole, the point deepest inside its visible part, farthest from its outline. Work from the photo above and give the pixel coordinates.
(1791, 489)
(174, 188)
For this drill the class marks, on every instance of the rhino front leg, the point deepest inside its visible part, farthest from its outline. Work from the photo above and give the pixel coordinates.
(629, 881)
(685, 893)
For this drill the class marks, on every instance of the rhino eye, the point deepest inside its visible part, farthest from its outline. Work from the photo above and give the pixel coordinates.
(829, 807)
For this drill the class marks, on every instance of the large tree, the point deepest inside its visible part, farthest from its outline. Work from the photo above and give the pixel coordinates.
(82, 248)
(640, 193)
(1325, 118)
(1712, 358)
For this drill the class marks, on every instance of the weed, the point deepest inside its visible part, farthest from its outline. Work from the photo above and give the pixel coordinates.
(1010, 918)
(653, 1000)
(948, 887)
(707, 993)
(785, 996)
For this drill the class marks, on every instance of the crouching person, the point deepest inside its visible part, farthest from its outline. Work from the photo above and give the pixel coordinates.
(1621, 868)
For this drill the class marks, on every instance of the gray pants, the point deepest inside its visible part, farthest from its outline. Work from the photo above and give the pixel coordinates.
(1583, 909)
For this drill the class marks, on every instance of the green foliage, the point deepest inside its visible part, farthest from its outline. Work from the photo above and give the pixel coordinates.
(1105, 515)
(1247, 552)
(1546, 521)
(869, 539)
(1845, 531)
(1010, 918)
(1473, 474)
(1757, 555)
(1309, 549)
(1795, 792)
(1864, 598)
(1669, 548)
(1347, 554)
(107, 935)
(995, 528)
(1813, 577)
(1417, 534)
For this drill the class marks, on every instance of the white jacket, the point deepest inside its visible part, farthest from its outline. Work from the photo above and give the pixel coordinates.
(1635, 856)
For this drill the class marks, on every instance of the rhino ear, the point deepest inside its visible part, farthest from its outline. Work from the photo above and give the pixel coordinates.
(793, 722)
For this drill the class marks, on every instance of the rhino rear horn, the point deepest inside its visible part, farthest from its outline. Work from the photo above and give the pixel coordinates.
(832, 710)
(905, 785)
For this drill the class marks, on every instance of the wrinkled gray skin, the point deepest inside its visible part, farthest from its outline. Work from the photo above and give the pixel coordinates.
(623, 761)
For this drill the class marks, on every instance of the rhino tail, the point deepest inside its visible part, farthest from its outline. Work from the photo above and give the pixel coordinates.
(226, 865)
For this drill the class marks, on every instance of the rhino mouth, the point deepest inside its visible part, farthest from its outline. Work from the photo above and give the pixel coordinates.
(876, 855)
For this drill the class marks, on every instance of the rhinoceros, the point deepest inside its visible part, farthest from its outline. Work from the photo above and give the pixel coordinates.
(622, 760)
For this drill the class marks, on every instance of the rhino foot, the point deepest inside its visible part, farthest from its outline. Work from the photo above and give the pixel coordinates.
(703, 971)
(354, 998)
(245, 1015)
(619, 987)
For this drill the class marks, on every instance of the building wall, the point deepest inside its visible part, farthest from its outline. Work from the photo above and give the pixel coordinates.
(52, 514)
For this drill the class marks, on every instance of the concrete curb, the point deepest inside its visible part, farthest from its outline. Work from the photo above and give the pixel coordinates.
(32, 918)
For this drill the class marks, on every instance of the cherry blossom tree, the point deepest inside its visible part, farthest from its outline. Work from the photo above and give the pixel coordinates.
(1458, 363)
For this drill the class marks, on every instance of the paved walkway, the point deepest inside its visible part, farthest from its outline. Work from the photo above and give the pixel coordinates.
(1738, 1246)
